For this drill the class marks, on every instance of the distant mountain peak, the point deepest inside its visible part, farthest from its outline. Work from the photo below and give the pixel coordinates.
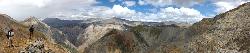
(34, 21)
(32, 18)
(51, 19)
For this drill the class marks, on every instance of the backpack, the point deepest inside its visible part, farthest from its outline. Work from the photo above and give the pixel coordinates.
(10, 34)
(31, 29)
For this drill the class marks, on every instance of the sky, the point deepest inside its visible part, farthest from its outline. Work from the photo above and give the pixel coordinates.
(135, 10)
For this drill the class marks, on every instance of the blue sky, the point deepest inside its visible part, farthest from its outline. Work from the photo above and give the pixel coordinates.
(134, 10)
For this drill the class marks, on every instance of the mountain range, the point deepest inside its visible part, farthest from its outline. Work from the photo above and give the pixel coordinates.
(225, 33)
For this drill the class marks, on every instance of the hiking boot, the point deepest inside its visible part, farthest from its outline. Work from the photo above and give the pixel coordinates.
(11, 46)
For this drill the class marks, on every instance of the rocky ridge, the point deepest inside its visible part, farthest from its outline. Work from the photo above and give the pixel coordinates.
(228, 32)
(20, 39)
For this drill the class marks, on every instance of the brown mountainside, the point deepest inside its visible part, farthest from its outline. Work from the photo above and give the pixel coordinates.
(20, 39)
(227, 32)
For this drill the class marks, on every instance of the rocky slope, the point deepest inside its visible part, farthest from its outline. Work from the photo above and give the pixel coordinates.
(94, 33)
(21, 40)
(140, 39)
(228, 32)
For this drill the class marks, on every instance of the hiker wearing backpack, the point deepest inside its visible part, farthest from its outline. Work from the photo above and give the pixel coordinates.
(9, 36)
(31, 31)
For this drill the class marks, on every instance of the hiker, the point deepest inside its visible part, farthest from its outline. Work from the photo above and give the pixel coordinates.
(31, 31)
(9, 36)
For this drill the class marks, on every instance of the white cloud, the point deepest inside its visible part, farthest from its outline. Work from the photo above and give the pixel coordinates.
(223, 6)
(163, 3)
(85, 13)
(182, 14)
(130, 3)
(98, 12)
(83, 9)
(165, 14)
(122, 10)
(140, 2)
(159, 3)
(19, 9)
(36, 3)
(170, 14)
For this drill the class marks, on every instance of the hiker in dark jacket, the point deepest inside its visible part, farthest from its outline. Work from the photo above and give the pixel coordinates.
(9, 36)
(31, 31)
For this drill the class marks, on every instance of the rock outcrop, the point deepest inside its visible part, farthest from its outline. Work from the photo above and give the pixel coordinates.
(36, 47)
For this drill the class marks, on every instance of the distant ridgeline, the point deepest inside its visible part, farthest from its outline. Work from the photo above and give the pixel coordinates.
(226, 32)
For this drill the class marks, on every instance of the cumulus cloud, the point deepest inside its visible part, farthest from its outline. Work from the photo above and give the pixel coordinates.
(85, 13)
(226, 5)
(84, 9)
(98, 12)
(162, 3)
(119, 10)
(170, 14)
(140, 2)
(159, 3)
(40, 8)
(182, 14)
(36, 3)
(130, 3)
(166, 14)
(187, 3)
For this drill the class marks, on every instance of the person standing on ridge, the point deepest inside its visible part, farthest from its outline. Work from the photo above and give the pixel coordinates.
(9, 36)
(31, 31)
